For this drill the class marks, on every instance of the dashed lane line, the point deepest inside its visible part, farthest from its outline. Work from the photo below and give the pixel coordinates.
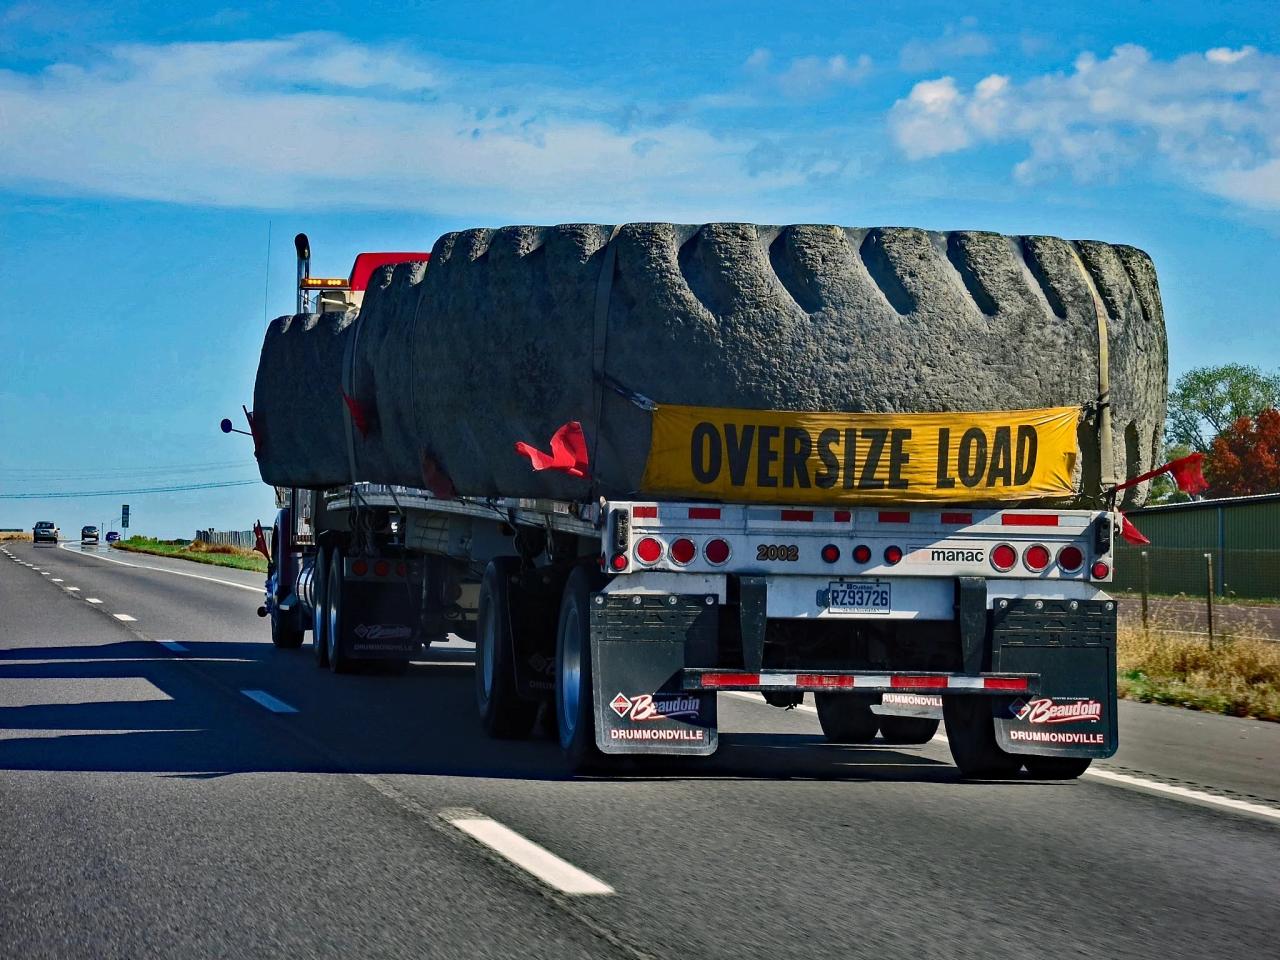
(176, 573)
(57, 579)
(519, 850)
(72, 589)
(173, 645)
(124, 617)
(264, 699)
(92, 600)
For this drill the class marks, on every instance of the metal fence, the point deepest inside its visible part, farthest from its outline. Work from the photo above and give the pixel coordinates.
(234, 538)
(1168, 571)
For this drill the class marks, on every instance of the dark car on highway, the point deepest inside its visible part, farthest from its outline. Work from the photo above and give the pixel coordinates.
(112, 536)
(45, 531)
(88, 534)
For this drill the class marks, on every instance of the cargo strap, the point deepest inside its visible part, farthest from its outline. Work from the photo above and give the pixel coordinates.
(1106, 451)
(348, 390)
(600, 337)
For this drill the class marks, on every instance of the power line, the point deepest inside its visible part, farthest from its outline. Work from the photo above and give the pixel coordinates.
(57, 475)
(177, 488)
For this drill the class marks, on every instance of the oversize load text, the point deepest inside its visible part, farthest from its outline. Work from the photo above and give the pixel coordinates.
(763, 456)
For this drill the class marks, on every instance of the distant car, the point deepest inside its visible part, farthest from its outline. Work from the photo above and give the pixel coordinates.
(45, 531)
(112, 536)
(88, 534)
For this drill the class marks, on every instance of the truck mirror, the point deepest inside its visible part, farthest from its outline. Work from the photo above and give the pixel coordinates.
(303, 246)
(226, 425)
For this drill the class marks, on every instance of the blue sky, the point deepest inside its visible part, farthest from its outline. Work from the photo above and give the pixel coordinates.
(147, 148)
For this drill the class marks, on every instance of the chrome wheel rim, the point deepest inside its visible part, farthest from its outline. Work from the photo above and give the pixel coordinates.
(488, 647)
(570, 675)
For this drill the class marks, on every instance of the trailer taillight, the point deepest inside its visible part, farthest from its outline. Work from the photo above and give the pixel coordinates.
(1036, 557)
(862, 553)
(892, 555)
(830, 553)
(381, 568)
(716, 551)
(649, 550)
(1070, 559)
(359, 568)
(619, 562)
(1101, 570)
(683, 551)
(1003, 557)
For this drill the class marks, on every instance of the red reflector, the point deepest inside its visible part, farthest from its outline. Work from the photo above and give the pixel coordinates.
(892, 555)
(730, 680)
(895, 516)
(1101, 571)
(958, 519)
(359, 568)
(648, 550)
(645, 513)
(704, 513)
(862, 553)
(382, 568)
(830, 553)
(402, 570)
(716, 551)
(804, 516)
(1004, 557)
(1036, 557)
(1029, 519)
(918, 683)
(1070, 559)
(619, 561)
(1004, 683)
(843, 516)
(827, 681)
(683, 550)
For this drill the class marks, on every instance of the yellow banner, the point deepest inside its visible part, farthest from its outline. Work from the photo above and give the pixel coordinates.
(771, 456)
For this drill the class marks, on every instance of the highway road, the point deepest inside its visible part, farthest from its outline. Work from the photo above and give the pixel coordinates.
(172, 785)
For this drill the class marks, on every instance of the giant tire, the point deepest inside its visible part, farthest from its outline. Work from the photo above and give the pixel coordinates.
(971, 734)
(574, 698)
(339, 662)
(319, 612)
(504, 714)
(846, 717)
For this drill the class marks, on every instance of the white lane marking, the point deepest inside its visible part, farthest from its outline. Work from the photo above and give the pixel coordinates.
(176, 573)
(173, 645)
(528, 856)
(1123, 780)
(92, 600)
(57, 579)
(72, 589)
(125, 617)
(264, 699)
(45, 573)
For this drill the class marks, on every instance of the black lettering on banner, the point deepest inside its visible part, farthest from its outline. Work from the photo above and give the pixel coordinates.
(898, 459)
(945, 480)
(973, 457)
(796, 447)
(1001, 458)
(766, 455)
(704, 453)
(826, 478)
(872, 461)
(1028, 440)
(850, 452)
(738, 447)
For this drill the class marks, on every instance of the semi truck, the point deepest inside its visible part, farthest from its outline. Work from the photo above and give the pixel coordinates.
(621, 619)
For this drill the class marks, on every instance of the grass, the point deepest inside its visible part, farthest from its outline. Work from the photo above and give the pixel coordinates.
(1238, 677)
(220, 555)
(20, 535)
(1230, 599)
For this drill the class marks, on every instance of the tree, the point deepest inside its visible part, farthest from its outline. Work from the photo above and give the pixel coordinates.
(1246, 457)
(1206, 401)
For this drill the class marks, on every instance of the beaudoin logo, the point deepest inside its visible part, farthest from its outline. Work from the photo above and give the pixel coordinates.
(1045, 710)
(646, 707)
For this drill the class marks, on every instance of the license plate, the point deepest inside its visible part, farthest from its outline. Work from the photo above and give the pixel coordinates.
(859, 597)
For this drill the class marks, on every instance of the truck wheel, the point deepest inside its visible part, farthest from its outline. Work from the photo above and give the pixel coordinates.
(846, 717)
(1057, 768)
(575, 704)
(339, 662)
(284, 634)
(971, 734)
(504, 714)
(907, 730)
(319, 612)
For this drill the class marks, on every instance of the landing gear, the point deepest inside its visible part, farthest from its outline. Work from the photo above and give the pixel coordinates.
(846, 717)
(504, 714)
(971, 733)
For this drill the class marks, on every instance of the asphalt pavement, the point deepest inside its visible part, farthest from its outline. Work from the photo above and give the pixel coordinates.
(172, 785)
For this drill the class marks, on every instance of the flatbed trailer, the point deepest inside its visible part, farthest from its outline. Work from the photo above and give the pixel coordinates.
(627, 618)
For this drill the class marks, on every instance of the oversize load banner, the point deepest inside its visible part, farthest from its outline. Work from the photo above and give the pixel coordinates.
(766, 456)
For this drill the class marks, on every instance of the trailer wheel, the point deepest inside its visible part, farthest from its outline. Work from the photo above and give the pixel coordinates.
(971, 734)
(1057, 768)
(846, 717)
(575, 704)
(339, 662)
(907, 730)
(319, 612)
(284, 634)
(504, 714)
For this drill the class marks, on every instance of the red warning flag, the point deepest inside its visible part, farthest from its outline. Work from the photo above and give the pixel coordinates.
(1132, 535)
(260, 540)
(1187, 474)
(568, 451)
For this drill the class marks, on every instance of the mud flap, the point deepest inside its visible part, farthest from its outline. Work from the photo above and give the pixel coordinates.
(380, 620)
(640, 643)
(1072, 645)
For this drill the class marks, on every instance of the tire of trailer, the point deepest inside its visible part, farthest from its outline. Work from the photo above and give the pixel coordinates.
(575, 704)
(339, 662)
(284, 634)
(846, 717)
(1056, 768)
(319, 611)
(504, 714)
(971, 734)
(907, 730)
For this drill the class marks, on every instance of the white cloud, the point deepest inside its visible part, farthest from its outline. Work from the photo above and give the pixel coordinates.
(271, 124)
(1212, 119)
(809, 77)
(956, 43)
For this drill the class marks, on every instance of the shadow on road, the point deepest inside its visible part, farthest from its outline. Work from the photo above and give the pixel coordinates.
(420, 722)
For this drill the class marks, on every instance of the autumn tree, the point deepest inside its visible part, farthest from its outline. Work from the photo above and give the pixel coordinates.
(1245, 457)
(1207, 401)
